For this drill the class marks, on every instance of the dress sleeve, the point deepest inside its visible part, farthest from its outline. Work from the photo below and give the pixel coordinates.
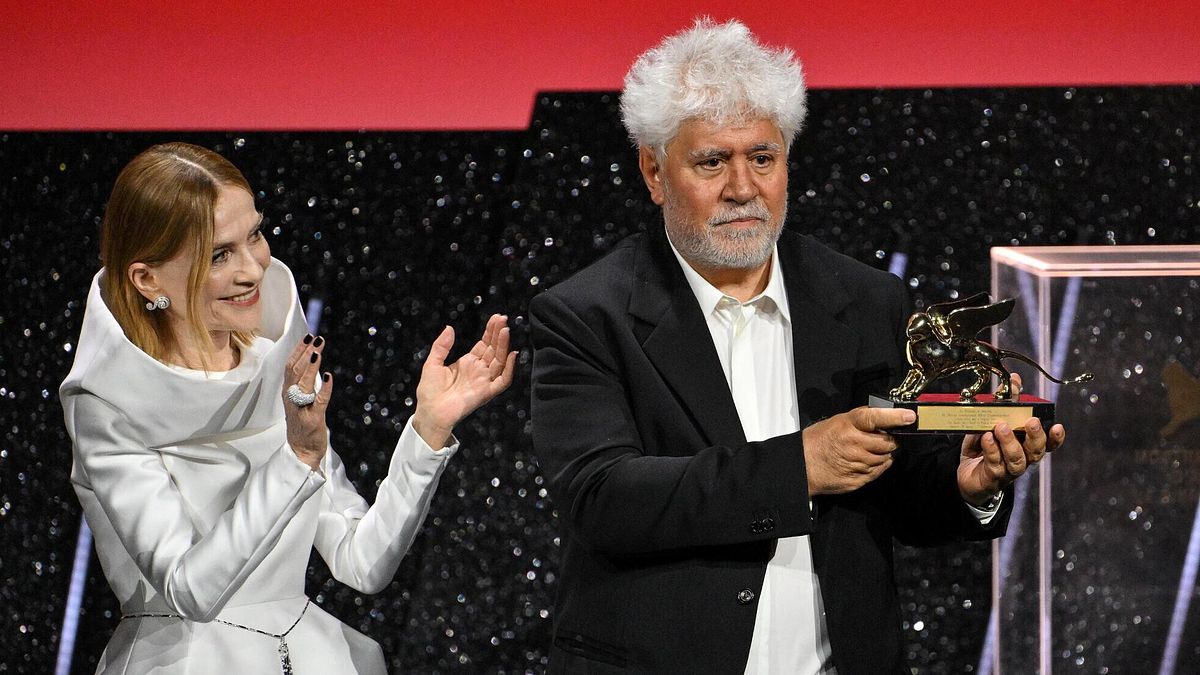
(195, 572)
(363, 545)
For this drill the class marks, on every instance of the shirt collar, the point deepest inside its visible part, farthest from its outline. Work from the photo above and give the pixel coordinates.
(710, 297)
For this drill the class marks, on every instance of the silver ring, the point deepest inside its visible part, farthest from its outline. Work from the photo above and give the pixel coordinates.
(299, 398)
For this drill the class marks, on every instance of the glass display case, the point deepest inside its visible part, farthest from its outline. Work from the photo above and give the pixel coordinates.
(1098, 571)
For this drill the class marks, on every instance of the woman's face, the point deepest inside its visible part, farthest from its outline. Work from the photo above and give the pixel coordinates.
(240, 256)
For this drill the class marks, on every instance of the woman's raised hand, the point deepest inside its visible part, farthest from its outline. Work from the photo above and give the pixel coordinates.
(304, 409)
(448, 393)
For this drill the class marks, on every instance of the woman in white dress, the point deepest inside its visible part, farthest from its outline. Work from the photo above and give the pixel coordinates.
(201, 455)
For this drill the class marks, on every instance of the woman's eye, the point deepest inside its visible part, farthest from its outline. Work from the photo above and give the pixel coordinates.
(220, 256)
(258, 231)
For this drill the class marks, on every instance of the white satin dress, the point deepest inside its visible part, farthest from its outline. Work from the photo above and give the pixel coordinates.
(202, 514)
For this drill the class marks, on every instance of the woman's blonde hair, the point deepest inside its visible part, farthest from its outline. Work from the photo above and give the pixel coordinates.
(163, 203)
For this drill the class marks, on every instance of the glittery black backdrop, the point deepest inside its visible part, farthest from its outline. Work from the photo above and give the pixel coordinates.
(401, 233)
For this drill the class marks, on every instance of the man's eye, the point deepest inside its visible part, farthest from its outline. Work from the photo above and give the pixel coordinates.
(763, 160)
(713, 163)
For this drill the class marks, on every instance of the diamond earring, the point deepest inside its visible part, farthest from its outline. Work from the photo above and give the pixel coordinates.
(161, 302)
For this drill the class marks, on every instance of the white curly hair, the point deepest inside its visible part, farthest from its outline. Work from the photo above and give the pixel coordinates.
(714, 72)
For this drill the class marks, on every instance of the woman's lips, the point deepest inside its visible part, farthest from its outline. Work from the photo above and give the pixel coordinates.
(243, 299)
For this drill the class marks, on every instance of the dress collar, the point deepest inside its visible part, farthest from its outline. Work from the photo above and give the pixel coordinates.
(163, 404)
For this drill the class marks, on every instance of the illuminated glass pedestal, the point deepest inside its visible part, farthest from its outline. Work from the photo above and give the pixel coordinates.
(1098, 571)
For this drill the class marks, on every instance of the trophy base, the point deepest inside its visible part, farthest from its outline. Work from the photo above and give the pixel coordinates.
(945, 414)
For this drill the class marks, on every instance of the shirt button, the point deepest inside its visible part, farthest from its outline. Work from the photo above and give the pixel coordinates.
(745, 596)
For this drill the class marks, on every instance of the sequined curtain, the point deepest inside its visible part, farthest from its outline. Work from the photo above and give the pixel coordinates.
(397, 234)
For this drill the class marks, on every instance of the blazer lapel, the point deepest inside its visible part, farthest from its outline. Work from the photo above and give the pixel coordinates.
(675, 337)
(824, 349)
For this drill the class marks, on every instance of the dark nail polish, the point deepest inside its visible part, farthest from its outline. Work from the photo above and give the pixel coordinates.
(318, 342)
(313, 358)
(308, 339)
(325, 377)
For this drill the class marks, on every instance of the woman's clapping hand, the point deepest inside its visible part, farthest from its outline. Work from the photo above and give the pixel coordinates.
(448, 393)
(306, 431)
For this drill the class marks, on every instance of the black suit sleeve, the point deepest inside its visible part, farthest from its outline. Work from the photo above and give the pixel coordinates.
(617, 499)
(929, 508)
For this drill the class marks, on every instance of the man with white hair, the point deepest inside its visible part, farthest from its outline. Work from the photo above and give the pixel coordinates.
(729, 504)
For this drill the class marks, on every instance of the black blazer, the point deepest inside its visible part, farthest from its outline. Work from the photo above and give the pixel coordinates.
(670, 514)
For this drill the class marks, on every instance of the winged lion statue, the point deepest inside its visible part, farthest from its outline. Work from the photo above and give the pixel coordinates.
(942, 341)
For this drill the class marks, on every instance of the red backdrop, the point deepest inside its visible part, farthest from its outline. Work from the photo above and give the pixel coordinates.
(454, 64)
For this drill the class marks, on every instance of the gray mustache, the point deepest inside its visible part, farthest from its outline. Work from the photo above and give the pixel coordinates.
(752, 210)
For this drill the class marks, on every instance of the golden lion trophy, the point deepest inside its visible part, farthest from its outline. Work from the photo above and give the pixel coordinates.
(942, 342)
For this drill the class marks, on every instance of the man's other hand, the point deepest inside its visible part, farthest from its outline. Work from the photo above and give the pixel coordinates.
(993, 460)
(849, 450)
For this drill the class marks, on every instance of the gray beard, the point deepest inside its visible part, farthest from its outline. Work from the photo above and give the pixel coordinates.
(716, 247)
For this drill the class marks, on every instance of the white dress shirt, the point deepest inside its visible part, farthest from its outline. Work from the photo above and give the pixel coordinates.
(754, 343)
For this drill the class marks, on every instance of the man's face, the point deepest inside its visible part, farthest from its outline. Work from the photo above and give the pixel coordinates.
(723, 191)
